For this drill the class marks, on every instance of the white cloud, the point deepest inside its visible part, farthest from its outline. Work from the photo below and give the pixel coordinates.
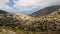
(27, 5)
(49, 3)
(5, 7)
(35, 3)
(3, 3)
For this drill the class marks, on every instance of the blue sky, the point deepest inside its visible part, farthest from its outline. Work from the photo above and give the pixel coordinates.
(10, 3)
(26, 6)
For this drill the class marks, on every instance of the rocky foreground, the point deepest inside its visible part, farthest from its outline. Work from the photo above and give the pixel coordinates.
(21, 24)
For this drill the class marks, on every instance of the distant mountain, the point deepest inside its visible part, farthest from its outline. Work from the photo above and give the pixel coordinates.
(45, 11)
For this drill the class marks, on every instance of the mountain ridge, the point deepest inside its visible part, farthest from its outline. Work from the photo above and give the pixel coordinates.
(45, 11)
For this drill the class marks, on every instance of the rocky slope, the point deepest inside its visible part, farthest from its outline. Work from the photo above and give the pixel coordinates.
(50, 22)
(45, 11)
(21, 24)
(10, 18)
(11, 22)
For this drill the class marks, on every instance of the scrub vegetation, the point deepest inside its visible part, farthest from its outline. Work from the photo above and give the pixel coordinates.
(21, 24)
